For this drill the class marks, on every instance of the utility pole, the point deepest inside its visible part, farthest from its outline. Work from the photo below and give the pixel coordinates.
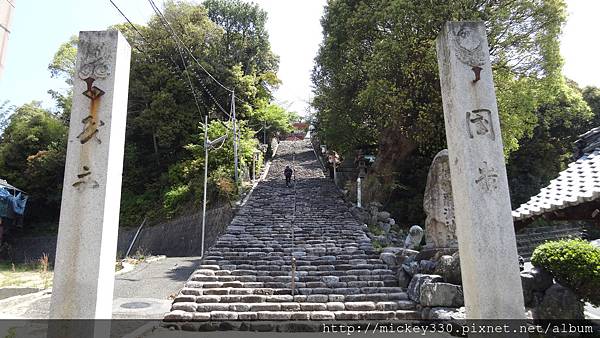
(207, 145)
(254, 166)
(235, 139)
(334, 169)
(358, 193)
(205, 182)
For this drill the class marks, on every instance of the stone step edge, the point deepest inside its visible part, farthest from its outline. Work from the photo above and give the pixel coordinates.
(183, 316)
(297, 306)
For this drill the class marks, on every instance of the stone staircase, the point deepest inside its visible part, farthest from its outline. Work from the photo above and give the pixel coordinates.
(291, 254)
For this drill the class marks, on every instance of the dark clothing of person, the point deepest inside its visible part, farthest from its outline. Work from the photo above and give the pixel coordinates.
(288, 175)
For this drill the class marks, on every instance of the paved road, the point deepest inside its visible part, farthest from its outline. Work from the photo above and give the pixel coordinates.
(158, 279)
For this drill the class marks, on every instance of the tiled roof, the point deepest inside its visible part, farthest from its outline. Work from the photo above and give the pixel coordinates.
(579, 183)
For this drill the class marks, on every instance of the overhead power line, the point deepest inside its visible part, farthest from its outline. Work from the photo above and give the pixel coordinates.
(185, 70)
(181, 45)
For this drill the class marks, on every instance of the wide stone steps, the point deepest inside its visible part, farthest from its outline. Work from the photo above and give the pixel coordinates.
(248, 295)
(246, 277)
(289, 305)
(215, 316)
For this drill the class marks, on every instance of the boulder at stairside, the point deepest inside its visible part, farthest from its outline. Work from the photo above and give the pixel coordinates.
(441, 294)
(414, 288)
(559, 303)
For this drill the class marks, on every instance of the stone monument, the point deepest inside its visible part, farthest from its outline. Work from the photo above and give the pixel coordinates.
(486, 237)
(414, 237)
(89, 215)
(440, 226)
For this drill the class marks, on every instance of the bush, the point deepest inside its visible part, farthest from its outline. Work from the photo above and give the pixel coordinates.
(175, 198)
(222, 186)
(574, 263)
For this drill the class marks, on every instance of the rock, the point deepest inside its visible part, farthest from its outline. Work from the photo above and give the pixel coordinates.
(537, 298)
(361, 214)
(412, 268)
(405, 256)
(444, 313)
(527, 281)
(385, 227)
(388, 258)
(449, 268)
(383, 216)
(393, 249)
(434, 254)
(372, 220)
(427, 267)
(382, 239)
(403, 278)
(375, 204)
(542, 279)
(596, 243)
(441, 294)
(559, 303)
(330, 279)
(415, 235)
(414, 288)
(438, 204)
(391, 221)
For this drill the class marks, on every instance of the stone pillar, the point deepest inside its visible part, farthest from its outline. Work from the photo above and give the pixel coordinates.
(89, 215)
(486, 237)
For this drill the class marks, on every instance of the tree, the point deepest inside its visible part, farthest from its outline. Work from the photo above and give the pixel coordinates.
(62, 67)
(187, 177)
(376, 78)
(591, 95)
(32, 155)
(169, 94)
(6, 109)
(164, 112)
(549, 148)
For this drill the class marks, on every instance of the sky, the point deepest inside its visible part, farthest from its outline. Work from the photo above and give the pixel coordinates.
(39, 27)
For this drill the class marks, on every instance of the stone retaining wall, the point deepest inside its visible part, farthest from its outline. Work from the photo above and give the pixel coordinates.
(179, 237)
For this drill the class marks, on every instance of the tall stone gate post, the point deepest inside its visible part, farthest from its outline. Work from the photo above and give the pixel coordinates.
(486, 237)
(89, 215)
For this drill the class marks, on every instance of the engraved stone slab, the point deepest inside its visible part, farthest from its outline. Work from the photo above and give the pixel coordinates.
(486, 237)
(89, 217)
(440, 225)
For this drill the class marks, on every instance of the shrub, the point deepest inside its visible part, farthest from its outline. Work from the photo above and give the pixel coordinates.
(222, 186)
(574, 263)
(175, 197)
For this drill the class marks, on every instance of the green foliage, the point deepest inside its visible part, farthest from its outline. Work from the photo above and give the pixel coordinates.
(246, 39)
(548, 149)
(574, 263)
(6, 109)
(162, 114)
(175, 197)
(591, 95)
(62, 65)
(162, 175)
(32, 155)
(277, 119)
(188, 175)
(377, 84)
